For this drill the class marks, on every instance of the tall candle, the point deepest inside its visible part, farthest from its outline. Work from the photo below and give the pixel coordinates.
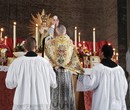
(36, 35)
(14, 35)
(76, 36)
(94, 46)
(83, 44)
(79, 37)
(114, 51)
(109, 43)
(5, 40)
(117, 56)
(1, 32)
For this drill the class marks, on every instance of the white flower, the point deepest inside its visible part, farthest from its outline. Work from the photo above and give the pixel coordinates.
(3, 50)
(22, 43)
(18, 44)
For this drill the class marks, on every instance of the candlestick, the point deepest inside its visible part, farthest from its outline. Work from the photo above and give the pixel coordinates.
(76, 37)
(94, 47)
(37, 35)
(1, 32)
(5, 40)
(14, 35)
(79, 37)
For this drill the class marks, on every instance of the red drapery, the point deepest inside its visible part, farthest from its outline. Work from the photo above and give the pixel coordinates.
(6, 95)
(89, 45)
(9, 45)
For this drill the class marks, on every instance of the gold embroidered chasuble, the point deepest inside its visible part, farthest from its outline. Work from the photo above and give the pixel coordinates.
(61, 52)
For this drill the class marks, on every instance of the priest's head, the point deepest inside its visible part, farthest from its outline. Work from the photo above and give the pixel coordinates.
(30, 44)
(60, 30)
(107, 51)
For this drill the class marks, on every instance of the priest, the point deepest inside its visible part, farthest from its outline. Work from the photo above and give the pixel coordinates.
(108, 82)
(62, 55)
(32, 77)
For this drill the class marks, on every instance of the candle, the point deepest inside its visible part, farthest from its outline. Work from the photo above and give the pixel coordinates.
(80, 45)
(94, 47)
(81, 63)
(75, 36)
(1, 32)
(14, 35)
(114, 51)
(83, 44)
(5, 40)
(117, 56)
(109, 44)
(79, 37)
(36, 35)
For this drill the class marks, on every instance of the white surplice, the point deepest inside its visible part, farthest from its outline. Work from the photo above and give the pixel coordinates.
(32, 78)
(109, 87)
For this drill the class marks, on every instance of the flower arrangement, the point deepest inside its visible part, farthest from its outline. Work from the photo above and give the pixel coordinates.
(19, 50)
(3, 57)
(19, 47)
(84, 55)
(83, 52)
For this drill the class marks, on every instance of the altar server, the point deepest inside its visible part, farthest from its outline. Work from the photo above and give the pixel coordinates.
(32, 77)
(108, 82)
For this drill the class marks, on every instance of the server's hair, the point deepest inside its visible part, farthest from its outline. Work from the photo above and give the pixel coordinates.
(107, 51)
(30, 44)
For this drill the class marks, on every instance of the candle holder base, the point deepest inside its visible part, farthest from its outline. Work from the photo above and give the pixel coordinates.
(94, 53)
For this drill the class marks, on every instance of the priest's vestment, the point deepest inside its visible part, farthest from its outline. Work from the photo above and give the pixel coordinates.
(62, 53)
(32, 78)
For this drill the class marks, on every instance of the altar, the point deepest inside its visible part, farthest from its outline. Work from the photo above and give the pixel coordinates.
(6, 95)
(83, 99)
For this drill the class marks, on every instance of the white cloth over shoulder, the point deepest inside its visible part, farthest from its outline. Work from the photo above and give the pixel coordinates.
(80, 85)
(109, 87)
(51, 30)
(32, 78)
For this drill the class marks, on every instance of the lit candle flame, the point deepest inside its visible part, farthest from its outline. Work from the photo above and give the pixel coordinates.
(2, 29)
(109, 44)
(14, 23)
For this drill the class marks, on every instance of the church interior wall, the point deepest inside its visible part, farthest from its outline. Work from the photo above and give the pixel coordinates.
(84, 14)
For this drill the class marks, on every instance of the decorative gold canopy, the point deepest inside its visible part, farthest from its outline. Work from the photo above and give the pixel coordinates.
(39, 19)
